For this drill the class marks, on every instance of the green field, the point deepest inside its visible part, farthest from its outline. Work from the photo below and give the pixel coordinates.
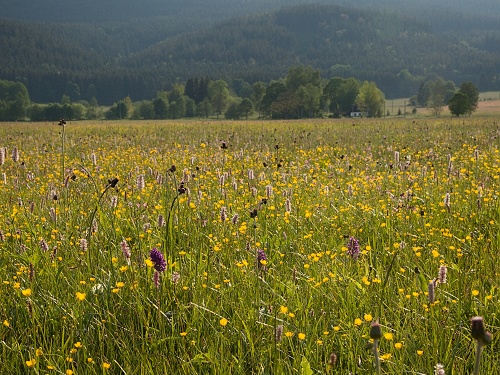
(490, 95)
(283, 243)
(488, 105)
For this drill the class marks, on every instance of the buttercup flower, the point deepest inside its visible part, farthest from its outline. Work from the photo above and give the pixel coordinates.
(80, 296)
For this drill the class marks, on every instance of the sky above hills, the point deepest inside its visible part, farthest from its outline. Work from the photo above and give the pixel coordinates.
(212, 10)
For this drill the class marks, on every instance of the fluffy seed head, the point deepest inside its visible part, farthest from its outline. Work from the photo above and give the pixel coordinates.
(15, 155)
(140, 182)
(442, 274)
(447, 200)
(431, 288)
(223, 214)
(279, 332)
(83, 245)
(235, 218)
(439, 369)
(269, 191)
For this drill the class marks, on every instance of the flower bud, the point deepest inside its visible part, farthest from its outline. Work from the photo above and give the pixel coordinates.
(477, 328)
(375, 331)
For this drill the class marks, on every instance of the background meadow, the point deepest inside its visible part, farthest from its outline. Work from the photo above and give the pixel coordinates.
(254, 220)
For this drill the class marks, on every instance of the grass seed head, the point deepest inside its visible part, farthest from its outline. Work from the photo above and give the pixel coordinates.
(279, 332)
(15, 155)
(477, 328)
(431, 288)
(442, 274)
(375, 330)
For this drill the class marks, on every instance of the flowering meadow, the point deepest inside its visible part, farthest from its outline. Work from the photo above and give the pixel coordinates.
(320, 247)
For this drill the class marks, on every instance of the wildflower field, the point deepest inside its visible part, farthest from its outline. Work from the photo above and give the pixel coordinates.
(301, 247)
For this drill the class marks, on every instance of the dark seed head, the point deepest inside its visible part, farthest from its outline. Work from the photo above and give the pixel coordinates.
(112, 183)
(333, 359)
(375, 331)
(477, 328)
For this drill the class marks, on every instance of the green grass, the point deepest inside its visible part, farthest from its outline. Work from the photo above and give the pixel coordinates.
(217, 310)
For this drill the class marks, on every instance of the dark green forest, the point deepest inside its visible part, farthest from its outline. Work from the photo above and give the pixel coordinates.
(94, 52)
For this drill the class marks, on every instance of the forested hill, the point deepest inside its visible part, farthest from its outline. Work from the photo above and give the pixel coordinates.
(113, 59)
(394, 50)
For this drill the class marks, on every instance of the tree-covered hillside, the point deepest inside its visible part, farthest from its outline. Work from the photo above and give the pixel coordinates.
(110, 60)
(391, 49)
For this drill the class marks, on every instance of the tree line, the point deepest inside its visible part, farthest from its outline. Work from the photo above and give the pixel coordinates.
(300, 94)
(438, 93)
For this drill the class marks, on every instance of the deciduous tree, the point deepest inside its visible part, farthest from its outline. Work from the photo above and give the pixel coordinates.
(246, 107)
(370, 99)
(273, 91)
(14, 101)
(341, 95)
(472, 93)
(160, 106)
(218, 93)
(459, 104)
(437, 92)
(259, 90)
